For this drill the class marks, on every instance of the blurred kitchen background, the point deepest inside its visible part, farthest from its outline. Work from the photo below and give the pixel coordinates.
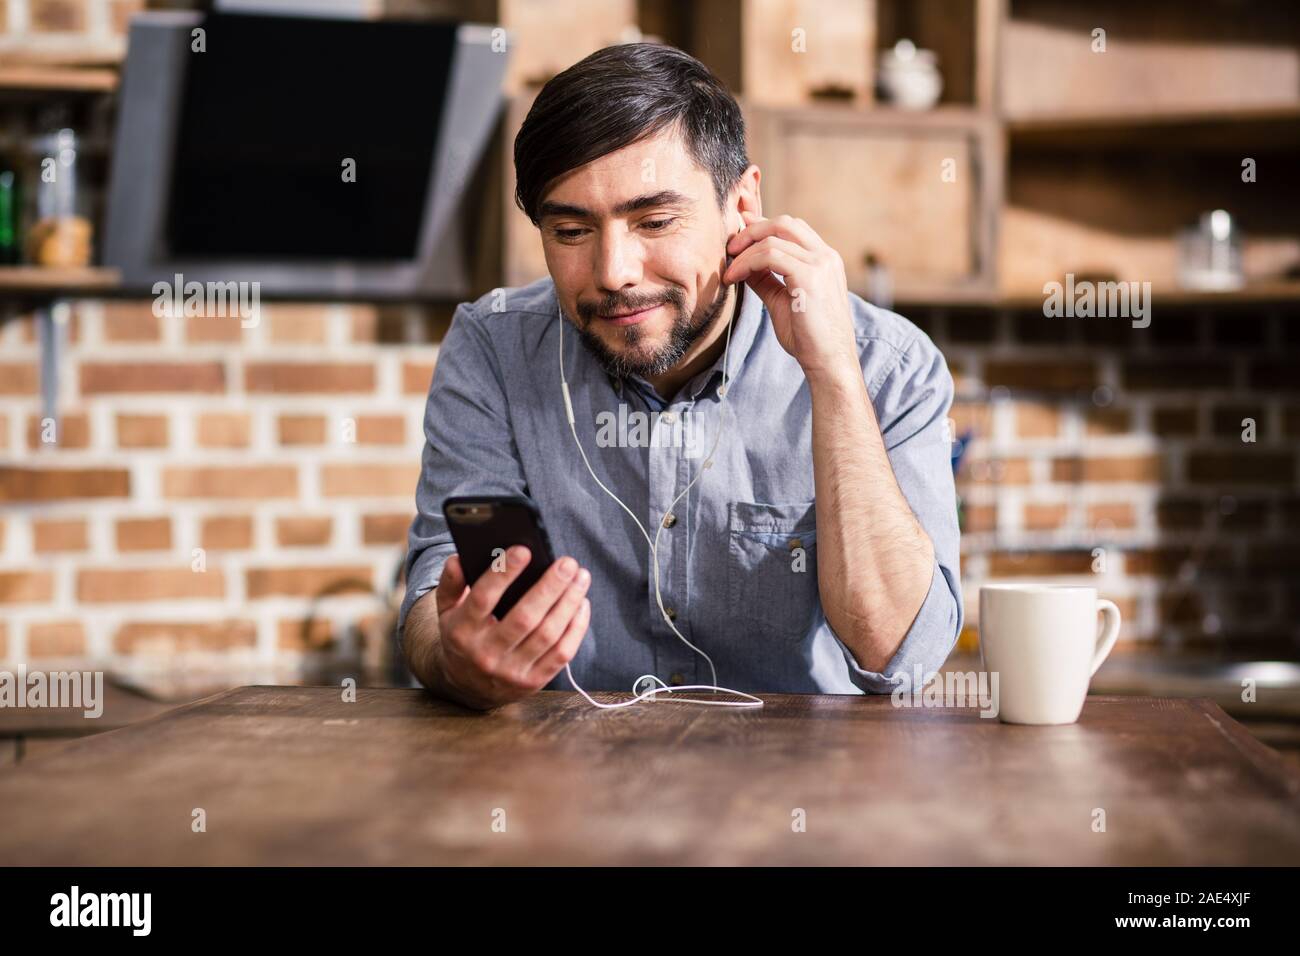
(192, 504)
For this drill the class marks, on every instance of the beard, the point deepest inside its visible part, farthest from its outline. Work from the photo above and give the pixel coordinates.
(634, 359)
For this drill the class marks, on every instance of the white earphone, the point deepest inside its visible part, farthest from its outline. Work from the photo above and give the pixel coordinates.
(751, 700)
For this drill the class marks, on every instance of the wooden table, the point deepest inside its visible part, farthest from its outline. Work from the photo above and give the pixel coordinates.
(27, 732)
(294, 775)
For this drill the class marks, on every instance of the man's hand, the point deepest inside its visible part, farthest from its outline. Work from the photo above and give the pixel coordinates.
(810, 312)
(485, 662)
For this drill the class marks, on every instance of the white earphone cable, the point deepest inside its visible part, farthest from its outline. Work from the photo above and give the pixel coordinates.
(723, 389)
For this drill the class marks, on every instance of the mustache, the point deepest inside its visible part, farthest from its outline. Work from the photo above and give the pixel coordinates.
(590, 310)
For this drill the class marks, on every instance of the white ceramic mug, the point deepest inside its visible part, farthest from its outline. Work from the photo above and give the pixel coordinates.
(1044, 642)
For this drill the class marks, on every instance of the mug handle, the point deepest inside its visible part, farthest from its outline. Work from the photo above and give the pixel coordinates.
(1107, 633)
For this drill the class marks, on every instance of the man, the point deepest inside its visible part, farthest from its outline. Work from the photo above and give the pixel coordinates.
(818, 552)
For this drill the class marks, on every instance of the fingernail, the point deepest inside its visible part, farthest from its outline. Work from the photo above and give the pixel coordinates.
(583, 578)
(567, 567)
(518, 554)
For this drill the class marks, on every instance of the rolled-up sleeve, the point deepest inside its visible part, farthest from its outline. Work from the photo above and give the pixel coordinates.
(912, 400)
(468, 449)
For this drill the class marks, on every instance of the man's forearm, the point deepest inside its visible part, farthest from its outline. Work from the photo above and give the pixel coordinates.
(422, 647)
(874, 560)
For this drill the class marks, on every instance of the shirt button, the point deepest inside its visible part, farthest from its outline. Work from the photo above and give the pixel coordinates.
(796, 543)
(677, 680)
(671, 612)
(670, 519)
(668, 417)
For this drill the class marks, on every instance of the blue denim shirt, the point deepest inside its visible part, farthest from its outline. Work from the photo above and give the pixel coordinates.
(739, 563)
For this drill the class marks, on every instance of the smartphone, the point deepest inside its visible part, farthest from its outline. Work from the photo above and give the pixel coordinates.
(484, 526)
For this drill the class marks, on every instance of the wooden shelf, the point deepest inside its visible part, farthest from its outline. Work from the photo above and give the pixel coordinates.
(1263, 292)
(66, 79)
(1277, 127)
(38, 281)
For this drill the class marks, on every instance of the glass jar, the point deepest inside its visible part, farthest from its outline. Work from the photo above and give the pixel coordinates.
(60, 231)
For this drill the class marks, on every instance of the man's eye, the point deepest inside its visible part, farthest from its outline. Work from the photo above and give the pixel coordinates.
(658, 224)
(569, 233)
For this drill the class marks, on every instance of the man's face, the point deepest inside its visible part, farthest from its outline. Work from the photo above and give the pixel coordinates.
(636, 245)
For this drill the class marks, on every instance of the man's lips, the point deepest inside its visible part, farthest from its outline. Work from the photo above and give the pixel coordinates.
(630, 318)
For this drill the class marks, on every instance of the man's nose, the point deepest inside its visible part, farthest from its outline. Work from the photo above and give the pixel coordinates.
(618, 260)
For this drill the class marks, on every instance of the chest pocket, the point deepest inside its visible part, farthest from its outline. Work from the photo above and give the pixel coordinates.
(772, 567)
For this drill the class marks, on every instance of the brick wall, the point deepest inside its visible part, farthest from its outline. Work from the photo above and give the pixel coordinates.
(213, 497)
(1114, 456)
(285, 457)
(84, 29)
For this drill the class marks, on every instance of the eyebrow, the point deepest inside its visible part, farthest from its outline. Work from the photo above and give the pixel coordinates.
(665, 197)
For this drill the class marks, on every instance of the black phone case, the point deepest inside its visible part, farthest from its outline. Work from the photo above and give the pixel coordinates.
(513, 521)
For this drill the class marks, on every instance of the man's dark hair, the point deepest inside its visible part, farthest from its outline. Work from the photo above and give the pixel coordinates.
(617, 96)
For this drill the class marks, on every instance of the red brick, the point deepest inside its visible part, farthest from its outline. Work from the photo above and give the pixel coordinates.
(1041, 374)
(975, 518)
(1291, 421)
(101, 378)
(1247, 514)
(298, 377)
(1168, 560)
(57, 16)
(1250, 465)
(307, 581)
(1118, 468)
(1107, 421)
(303, 531)
(1274, 374)
(214, 328)
(381, 429)
(1267, 558)
(1045, 517)
(51, 484)
(269, 481)
(141, 431)
(1174, 422)
(131, 322)
(1226, 421)
(416, 377)
(365, 481)
(144, 534)
(1180, 374)
(1005, 471)
(302, 430)
(59, 535)
(976, 417)
(26, 587)
(227, 533)
(1118, 514)
(19, 378)
(172, 636)
(69, 431)
(56, 639)
(392, 528)
(1037, 420)
(223, 430)
(297, 323)
(104, 585)
(365, 323)
(1039, 563)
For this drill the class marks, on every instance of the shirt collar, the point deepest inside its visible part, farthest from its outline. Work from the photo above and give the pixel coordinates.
(744, 331)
